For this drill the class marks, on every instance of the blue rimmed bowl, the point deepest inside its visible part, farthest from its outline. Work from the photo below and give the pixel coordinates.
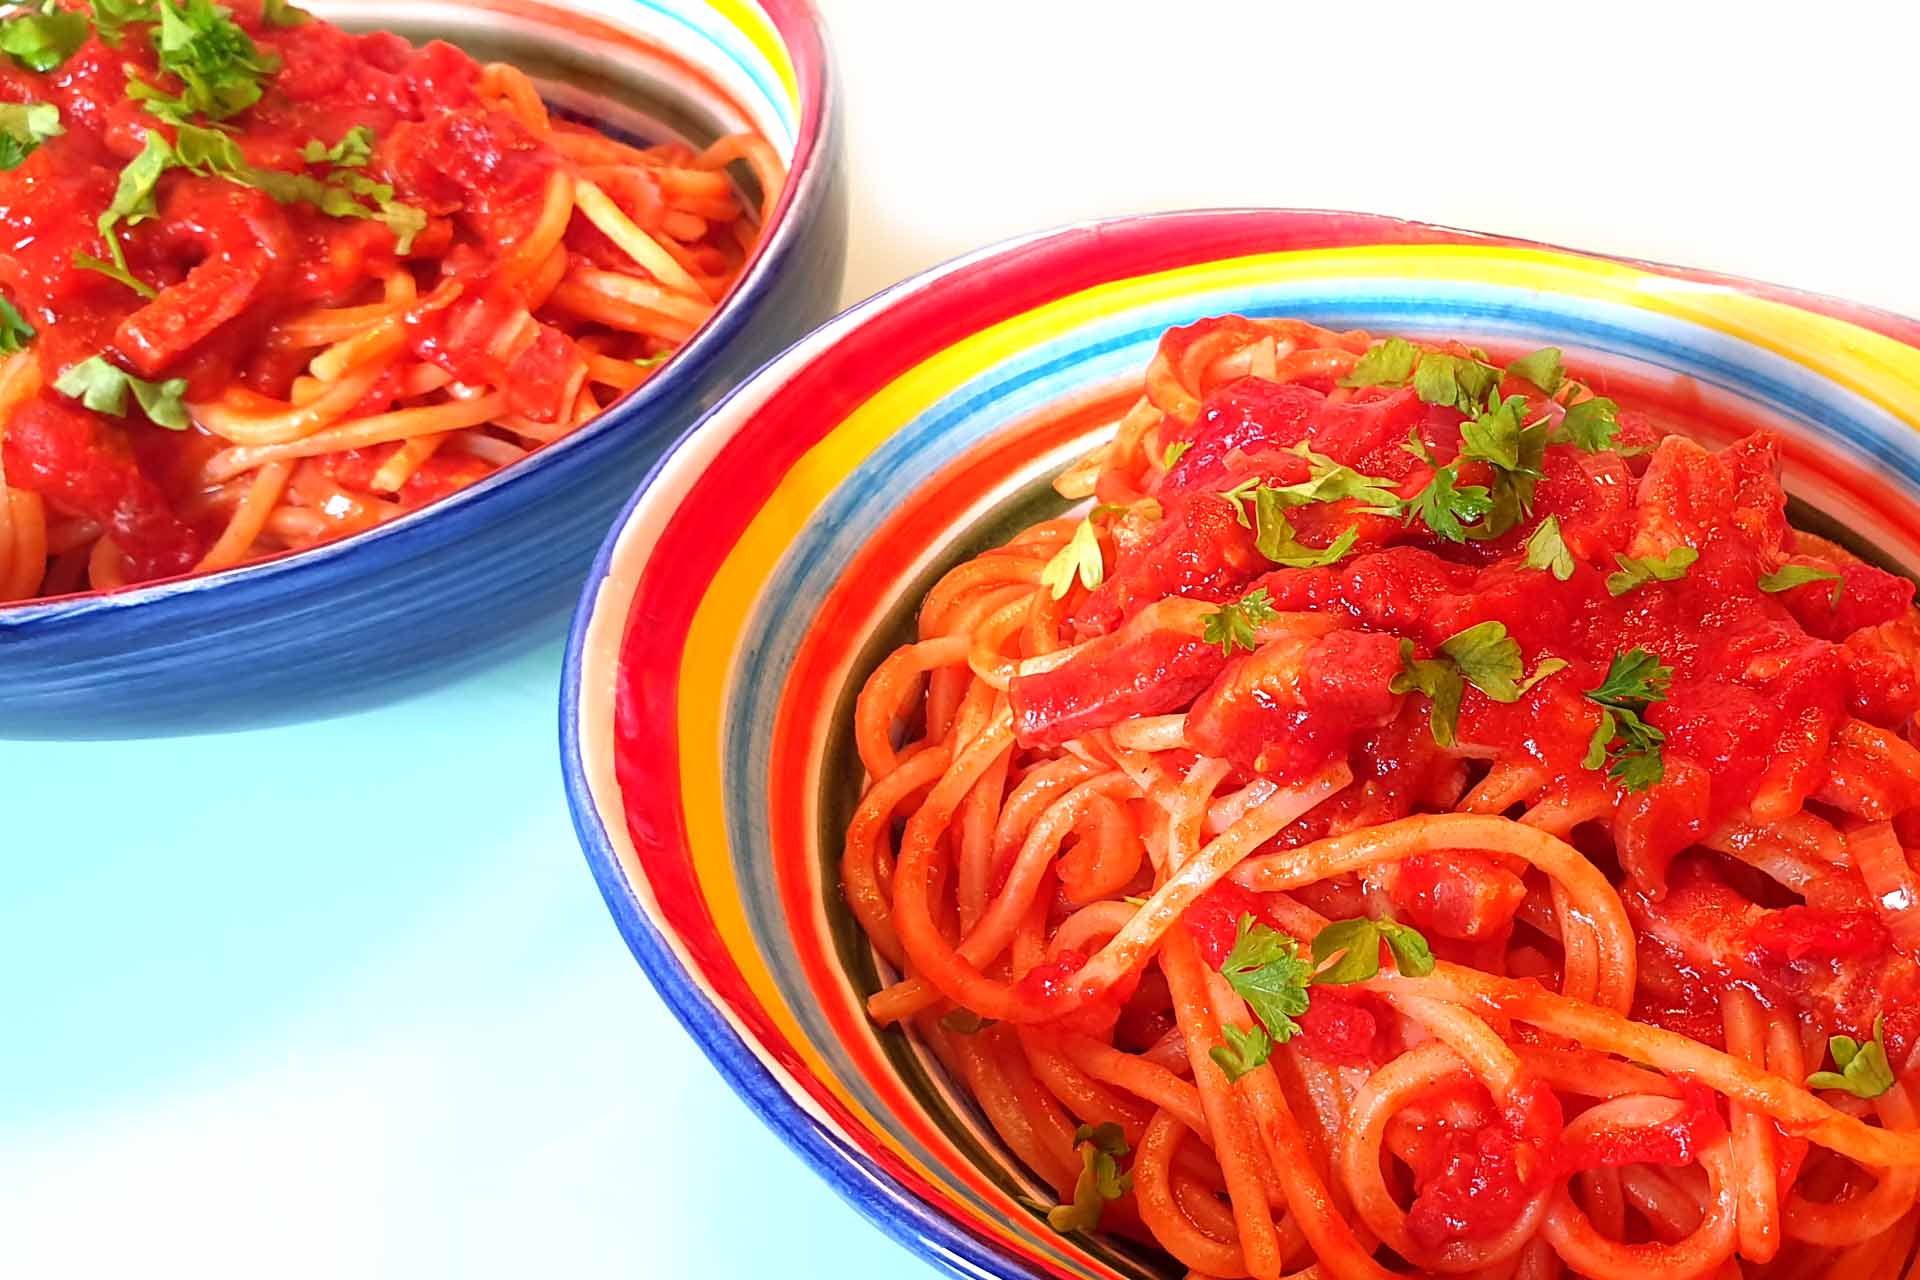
(780, 551)
(491, 569)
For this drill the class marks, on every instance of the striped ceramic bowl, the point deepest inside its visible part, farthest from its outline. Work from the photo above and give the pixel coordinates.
(780, 551)
(494, 567)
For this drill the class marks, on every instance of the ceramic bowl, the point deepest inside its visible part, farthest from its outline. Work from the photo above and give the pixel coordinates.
(781, 551)
(493, 568)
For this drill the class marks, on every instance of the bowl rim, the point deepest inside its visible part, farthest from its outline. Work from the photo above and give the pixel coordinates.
(803, 34)
(877, 1194)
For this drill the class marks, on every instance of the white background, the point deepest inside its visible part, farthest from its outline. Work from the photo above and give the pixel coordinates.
(1767, 140)
(366, 1015)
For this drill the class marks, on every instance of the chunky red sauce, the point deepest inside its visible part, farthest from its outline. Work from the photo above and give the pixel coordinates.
(449, 183)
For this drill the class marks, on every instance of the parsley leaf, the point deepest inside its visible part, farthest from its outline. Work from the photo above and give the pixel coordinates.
(23, 127)
(1357, 944)
(1173, 452)
(113, 271)
(1330, 481)
(1592, 424)
(111, 16)
(15, 332)
(1275, 538)
(214, 58)
(1237, 496)
(1461, 382)
(1233, 624)
(1864, 1069)
(1100, 1148)
(1483, 655)
(42, 41)
(1442, 684)
(1637, 571)
(1445, 505)
(1547, 550)
(1789, 576)
(278, 13)
(1265, 968)
(1080, 557)
(1490, 660)
(1541, 368)
(351, 152)
(1242, 1052)
(1624, 742)
(133, 198)
(102, 387)
(1388, 363)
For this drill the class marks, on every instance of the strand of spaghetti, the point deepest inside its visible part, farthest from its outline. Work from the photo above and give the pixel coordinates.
(760, 156)
(998, 1102)
(407, 459)
(258, 421)
(883, 699)
(1359, 1165)
(1053, 1128)
(512, 84)
(1086, 1098)
(237, 539)
(1860, 1217)
(27, 515)
(576, 299)
(1799, 1111)
(646, 296)
(533, 250)
(1161, 1211)
(359, 433)
(1136, 1075)
(1591, 895)
(106, 568)
(1756, 1181)
(955, 972)
(986, 644)
(860, 871)
(979, 816)
(616, 226)
(324, 326)
(1587, 1252)
(997, 569)
(1234, 1140)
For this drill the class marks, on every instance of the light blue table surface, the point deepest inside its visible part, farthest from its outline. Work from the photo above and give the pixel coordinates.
(341, 999)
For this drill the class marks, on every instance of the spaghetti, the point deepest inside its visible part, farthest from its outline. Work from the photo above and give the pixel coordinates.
(1422, 820)
(266, 283)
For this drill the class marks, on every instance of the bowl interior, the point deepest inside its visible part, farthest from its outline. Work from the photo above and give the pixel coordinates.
(735, 646)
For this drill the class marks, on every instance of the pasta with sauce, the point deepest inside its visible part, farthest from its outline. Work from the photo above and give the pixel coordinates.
(266, 283)
(1424, 819)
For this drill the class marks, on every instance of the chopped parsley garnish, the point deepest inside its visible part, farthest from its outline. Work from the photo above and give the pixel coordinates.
(23, 127)
(102, 387)
(351, 152)
(1547, 550)
(1591, 424)
(1483, 655)
(1243, 1050)
(1462, 382)
(1237, 496)
(1356, 944)
(1542, 368)
(1172, 453)
(1327, 481)
(211, 153)
(43, 39)
(1384, 364)
(1789, 576)
(1330, 481)
(1100, 1147)
(1079, 558)
(1624, 743)
(1265, 968)
(1233, 625)
(218, 65)
(1275, 538)
(278, 13)
(1636, 571)
(1864, 1069)
(15, 332)
(111, 17)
